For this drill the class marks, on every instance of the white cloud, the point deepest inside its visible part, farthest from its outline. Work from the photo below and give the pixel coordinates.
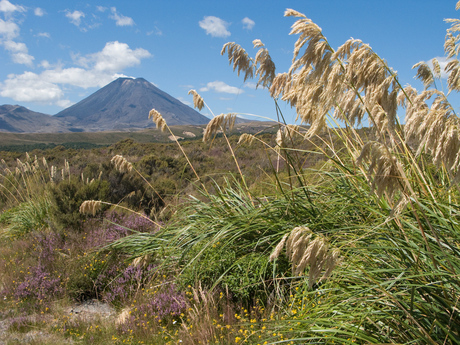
(248, 23)
(99, 69)
(8, 30)
(64, 103)
(250, 85)
(39, 12)
(6, 6)
(101, 8)
(30, 87)
(44, 34)
(215, 26)
(221, 87)
(116, 56)
(19, 52)
(120, 19)
(75, 17)
(45, 64)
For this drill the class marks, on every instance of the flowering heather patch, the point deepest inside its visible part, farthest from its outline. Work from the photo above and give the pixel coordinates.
(118, 226)
(37, 279)
(161, 308)
(38, 284)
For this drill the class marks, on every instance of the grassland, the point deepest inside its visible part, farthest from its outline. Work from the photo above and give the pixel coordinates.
(325, 234)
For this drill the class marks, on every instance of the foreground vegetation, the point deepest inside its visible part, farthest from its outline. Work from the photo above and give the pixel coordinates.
(334, 234)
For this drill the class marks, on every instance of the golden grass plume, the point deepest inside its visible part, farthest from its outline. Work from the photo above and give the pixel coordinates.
(220, 122)
(198, 101)
(304, 248)
(158, 119)
(121, 163)
(240, 59)
(90, 206)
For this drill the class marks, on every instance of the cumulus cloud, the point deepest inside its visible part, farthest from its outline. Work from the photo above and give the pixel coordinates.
(30, 87)
(8, 30)
(221, 87)
(39, 12)
(75, 17)
(98, 70)
(8, 7)
(248, 24)
(19, 52)
(116, 56)
(120, 19)
(250, 85)
(215, 26)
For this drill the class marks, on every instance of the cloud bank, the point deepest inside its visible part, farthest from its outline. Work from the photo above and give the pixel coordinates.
(94, 70)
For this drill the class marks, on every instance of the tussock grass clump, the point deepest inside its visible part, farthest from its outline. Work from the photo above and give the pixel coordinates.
(371, 254)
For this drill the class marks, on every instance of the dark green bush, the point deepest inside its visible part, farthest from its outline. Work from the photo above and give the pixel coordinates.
(68, 195)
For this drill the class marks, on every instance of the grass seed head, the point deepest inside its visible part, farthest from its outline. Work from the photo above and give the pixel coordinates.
(90, 206)
(240, 59)
(198, 101)
(158, 119)
(121, 164)
(276, 252)
(246, 138)
(220, 122)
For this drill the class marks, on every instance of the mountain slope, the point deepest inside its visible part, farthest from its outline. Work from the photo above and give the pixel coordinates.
(125, 104)
(17, 119)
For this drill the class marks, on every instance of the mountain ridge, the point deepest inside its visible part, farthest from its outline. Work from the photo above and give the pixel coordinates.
(121, 105)
(125, 104)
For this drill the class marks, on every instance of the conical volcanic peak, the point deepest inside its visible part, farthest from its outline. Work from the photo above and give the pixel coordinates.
(125, 104)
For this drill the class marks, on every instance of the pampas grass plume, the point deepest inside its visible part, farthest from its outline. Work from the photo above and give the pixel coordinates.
(198, 101)
(121, 164)
(158, 119)
(90, 206)
(276, 252)
(219, 122)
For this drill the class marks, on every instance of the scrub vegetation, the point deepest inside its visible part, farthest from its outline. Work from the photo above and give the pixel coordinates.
(329, 232)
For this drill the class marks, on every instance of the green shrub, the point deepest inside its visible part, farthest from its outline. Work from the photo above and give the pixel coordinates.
(68, 195)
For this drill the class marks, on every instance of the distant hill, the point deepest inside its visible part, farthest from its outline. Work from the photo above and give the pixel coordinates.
(125, 104)
(18, 119)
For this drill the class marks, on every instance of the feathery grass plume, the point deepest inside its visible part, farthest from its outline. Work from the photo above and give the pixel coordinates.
(424, 74)
(453, 79)
(285, 134)
(121, 164)
(278, 249)
(436, 68)
(198, 101)
(266, 69)
(297, 239)
(158, 119)
(221, 122)
(53, 174)
(385, 168)
(90, 206)
(436, 128)
(240, 59)
(246, 138)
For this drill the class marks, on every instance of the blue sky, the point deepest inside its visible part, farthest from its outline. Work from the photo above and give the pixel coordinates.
(55, 53)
